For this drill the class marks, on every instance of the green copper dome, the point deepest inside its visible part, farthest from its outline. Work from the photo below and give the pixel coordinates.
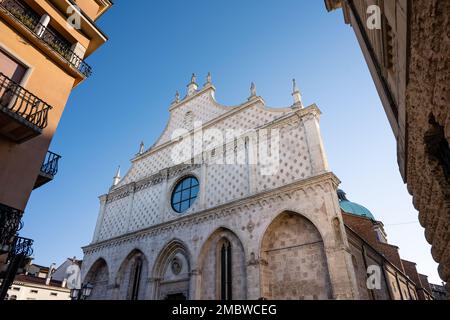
(352, 207)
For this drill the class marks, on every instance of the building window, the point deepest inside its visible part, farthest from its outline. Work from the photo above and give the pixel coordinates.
(225, 271)
(184, 194)
(136, 279)
(34, 291)
(16, 288)
(11, 68)
(53, 294)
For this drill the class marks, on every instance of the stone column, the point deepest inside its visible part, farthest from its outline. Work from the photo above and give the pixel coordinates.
(111, 291)
(131, 190)
(195, 285)
(342, 275)
(252, 159)
(164, 195)
(152, 288)
(203, 183)
(101, 213)
(317, 154)
(254, 276)
(340, 266)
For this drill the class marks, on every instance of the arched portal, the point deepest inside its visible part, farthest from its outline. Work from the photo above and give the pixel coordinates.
(222, 267)
(131, 278)
(295, 262)
(172, 272)
(98, 277)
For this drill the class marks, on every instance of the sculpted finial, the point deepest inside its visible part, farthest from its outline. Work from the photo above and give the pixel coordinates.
(192, 86)
(297, 95)
(252, 91)
(116, 178)
(294, 86)
(141, 148)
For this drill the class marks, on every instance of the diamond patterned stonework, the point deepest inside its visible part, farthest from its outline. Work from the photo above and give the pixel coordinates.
(234, 239)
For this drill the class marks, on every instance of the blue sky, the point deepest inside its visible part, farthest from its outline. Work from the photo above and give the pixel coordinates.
(153, 49)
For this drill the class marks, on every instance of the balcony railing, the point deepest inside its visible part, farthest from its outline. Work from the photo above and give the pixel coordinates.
(19, 256)
(50, 165)
(31, 21)
(49, 169)
(22, 246)
(23, 107)
(10, 224)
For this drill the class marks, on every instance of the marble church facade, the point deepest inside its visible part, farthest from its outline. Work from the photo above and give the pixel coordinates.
(244, 233)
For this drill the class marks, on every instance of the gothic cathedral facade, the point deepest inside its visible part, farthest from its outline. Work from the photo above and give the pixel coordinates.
(252, 213)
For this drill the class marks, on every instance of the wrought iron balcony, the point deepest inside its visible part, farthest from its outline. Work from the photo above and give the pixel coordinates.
(22, 114)
(10, 224)
(22, 246)
(31, 21)
(18, 256)
(49, 169)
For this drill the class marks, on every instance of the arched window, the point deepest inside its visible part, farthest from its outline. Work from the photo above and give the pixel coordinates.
(135, 279)
(225, 271)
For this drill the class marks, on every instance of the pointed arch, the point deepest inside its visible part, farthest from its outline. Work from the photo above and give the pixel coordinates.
(131, 278)
(172, 272)
(98, 277)
(222, 267)
(295, 264)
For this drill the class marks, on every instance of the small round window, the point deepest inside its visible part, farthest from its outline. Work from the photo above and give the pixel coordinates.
(184, 194)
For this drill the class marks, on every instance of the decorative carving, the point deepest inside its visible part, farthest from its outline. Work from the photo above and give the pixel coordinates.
(250, 226)
(195, 272)
(176, 265)
(256, 261)
(283, 193)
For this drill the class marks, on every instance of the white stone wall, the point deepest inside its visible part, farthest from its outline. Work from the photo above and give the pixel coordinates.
(133, 207)
(234, 199)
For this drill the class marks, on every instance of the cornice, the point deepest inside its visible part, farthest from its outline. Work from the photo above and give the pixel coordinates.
(230, 208)
(208, 124)
(147, 182)
(310, 110)
(156, 178)
(186, 99)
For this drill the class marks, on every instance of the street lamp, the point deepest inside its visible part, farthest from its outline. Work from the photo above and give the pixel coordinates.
(87, 289)
(83, 293)
(74, 294)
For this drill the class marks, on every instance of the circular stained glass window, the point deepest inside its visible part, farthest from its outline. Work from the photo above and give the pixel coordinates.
(184, 194)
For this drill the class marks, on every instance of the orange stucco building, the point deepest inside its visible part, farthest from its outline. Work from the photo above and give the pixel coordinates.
(43, 47)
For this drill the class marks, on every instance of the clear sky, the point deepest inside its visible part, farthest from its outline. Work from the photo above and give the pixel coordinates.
(154, 47)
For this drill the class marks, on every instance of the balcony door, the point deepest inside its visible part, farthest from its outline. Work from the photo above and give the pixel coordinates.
(11, 68)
